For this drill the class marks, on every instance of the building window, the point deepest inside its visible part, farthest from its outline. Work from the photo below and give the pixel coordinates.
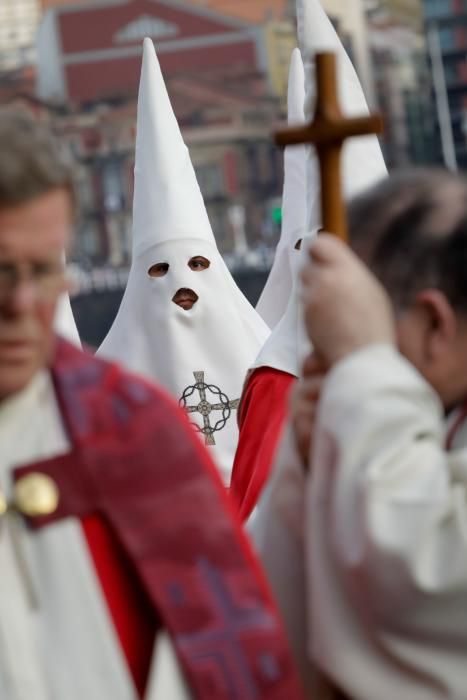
(211, 180)
(113, 195)
(147, 26)
(437, 8)
(447, 38)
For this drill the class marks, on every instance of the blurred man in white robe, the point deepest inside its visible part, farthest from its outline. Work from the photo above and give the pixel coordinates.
(124, 574)
(363, 526)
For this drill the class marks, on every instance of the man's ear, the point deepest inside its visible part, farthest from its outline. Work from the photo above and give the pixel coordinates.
(439, 321)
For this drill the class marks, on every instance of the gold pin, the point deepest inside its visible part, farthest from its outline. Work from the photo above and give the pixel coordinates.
(35, 495)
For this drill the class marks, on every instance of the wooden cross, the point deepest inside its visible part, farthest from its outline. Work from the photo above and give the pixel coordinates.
(328, 132)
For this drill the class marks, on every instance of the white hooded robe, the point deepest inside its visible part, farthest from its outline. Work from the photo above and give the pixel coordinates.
(201, 355)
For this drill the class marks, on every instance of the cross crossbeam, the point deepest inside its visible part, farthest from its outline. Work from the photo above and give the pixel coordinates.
(328, 132)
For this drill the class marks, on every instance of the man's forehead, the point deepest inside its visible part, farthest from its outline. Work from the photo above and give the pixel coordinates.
(16, 242)
(41, 227)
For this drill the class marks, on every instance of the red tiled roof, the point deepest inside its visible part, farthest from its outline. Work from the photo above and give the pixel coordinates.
(255, 11)
(248, 10)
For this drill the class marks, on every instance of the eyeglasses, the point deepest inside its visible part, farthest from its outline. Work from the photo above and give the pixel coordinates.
(46, 277)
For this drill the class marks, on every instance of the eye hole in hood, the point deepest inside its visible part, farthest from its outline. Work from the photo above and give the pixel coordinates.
(198, 263)
(159, 269)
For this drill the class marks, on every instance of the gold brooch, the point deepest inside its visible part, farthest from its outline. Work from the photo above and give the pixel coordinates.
(34, 495)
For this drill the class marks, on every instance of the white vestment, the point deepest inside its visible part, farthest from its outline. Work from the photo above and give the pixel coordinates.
(374, 537)
(63, 645)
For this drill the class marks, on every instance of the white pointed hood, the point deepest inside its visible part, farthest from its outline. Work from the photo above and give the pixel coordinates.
(200, 355)
(363, 166)
(363, 162)
(288, 344)
(275, 295)
(65, 324)
(168, 204)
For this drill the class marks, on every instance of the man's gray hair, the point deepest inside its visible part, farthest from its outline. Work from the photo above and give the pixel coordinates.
(31, 160)
(411, 229)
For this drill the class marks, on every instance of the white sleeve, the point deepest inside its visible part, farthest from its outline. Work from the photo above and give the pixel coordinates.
(392, 500)
(277, 532)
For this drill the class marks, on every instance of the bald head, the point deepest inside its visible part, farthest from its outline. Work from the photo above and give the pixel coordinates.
(411, 230)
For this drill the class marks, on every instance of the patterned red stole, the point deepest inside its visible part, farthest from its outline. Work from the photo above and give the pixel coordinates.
(137, 464)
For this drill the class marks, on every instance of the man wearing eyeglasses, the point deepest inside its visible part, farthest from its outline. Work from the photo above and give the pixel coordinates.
(113, 582)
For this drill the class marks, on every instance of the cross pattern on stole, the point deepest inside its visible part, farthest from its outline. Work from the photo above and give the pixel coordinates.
(232, 622)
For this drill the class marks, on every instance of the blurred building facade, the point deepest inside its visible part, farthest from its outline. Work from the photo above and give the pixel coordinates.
(18, 24)
(257, 11)
(402, 81)
(448, 18)
(350, 21)
(275, 24)
(93, 51)
(226, 64)
(218, 77)
(278, 16)
(405, 13)
(278, 19)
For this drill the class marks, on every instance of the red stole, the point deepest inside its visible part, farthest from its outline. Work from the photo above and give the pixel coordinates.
(136, 464)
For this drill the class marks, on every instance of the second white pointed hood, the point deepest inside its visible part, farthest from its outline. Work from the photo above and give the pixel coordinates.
(363, 162)
(200, 355)
(65, 324)
(288, 344)
(275, 295)
(363, 166)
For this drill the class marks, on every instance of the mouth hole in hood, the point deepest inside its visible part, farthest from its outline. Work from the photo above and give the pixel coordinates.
(185, 298)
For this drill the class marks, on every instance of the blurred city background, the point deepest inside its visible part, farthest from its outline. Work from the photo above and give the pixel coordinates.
(75, 64)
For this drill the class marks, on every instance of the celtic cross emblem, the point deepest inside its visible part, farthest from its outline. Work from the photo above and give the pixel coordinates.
(205, 408)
